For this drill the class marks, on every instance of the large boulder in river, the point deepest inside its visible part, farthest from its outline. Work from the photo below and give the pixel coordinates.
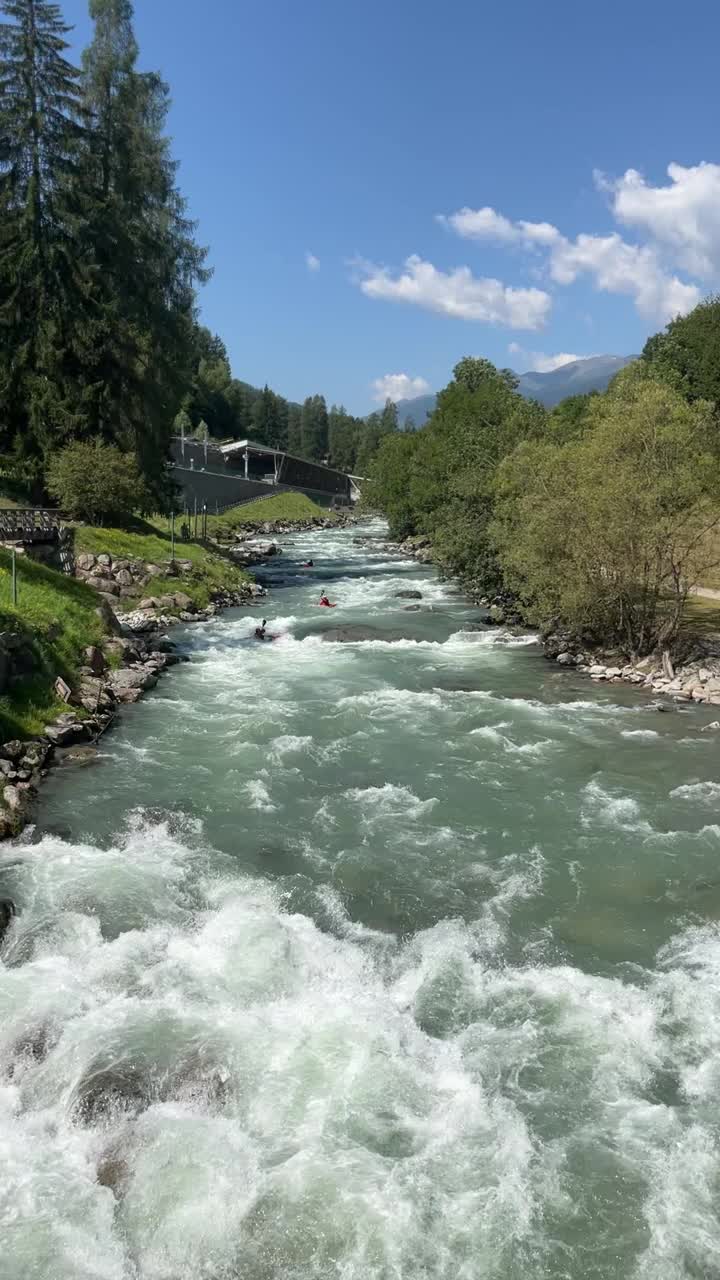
(351, 633)
(408, 595)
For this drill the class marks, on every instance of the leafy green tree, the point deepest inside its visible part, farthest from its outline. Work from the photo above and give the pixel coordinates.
(95, 481)
(42, 284)
(314, 428)
(687, 354)
(610, 531)
(389, 489)
(568, 419)
(441, 482)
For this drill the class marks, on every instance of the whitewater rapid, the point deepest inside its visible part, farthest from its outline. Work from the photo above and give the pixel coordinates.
(391, 960)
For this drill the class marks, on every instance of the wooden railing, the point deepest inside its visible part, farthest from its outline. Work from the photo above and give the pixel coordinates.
(29, 524)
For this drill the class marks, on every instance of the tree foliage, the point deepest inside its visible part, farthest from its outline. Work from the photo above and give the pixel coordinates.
(440, 480)
(95, 481)
(687, 354)
(610, 531)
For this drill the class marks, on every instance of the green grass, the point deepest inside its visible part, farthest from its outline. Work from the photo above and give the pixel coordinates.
(701, 616)
(56, 618)
(149, 540)
(280, 506)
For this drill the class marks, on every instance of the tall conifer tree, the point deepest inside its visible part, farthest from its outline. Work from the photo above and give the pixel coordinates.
(139, 346)
(41, 283)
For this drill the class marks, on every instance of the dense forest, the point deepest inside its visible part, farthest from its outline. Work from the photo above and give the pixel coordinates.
(99, 266)
(600, 514)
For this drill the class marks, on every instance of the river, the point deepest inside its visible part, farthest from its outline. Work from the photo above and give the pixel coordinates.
(394, 960)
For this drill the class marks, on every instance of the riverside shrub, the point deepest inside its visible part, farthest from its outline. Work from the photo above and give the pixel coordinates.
(95, 482)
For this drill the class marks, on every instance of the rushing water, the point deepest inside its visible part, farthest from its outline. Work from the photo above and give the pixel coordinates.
(396, 960)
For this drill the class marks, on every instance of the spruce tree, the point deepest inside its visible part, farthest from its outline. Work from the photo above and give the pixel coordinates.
(41, 282)
(139, 350)
(314, 428)
(294, 429)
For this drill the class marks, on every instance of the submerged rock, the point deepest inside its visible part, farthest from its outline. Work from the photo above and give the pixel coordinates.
(7, 915)
(408, 595)
(353, 632)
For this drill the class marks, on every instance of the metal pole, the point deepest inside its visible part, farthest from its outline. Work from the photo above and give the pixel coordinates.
(172, 536)
(196, 516)
(204, 519)
(14, 577)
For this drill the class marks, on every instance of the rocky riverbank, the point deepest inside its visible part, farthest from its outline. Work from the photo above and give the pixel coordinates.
(135, 654)
(695, 679)
(118, 672)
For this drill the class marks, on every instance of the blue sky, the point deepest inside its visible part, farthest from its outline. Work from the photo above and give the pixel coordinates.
(525, 146)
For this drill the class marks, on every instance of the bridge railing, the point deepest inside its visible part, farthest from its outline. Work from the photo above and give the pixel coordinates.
(29, 524)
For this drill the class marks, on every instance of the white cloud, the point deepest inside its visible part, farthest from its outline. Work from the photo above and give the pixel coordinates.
(538, 362)
(614, 265)
(458, 293)
(683, 217)
(488, 224)
(311, 262)
(398, 386)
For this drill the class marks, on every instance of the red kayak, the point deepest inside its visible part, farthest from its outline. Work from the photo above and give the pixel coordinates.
(325, 604)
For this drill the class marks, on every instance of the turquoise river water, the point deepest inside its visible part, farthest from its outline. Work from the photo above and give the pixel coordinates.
(391, 960)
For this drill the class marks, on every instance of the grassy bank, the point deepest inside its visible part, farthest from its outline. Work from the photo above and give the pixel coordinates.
(54, 619)
(150, 541)
(280, 506)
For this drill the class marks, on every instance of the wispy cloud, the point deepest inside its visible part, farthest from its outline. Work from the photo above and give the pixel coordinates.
(398, 386)
(456, 293)
(311, 262)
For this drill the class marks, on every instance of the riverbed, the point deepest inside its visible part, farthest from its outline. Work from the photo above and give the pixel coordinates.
(387, 960)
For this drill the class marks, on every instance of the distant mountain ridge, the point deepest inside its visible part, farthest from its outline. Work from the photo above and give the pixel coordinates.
(573, 379)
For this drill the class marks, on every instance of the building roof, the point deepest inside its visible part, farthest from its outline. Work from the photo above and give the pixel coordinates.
(239, 446)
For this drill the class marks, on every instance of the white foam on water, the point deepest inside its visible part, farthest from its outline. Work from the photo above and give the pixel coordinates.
(640, 735)
(389, 801)
(258, 796)
(305, 1103)
(602, 808)
(491, 734)
(698, 792)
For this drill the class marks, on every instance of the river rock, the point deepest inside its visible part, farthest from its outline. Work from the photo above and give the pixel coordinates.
(7, 915)
(14, 799)
(183, 601)
(123, 577)
(85, 561)
(36, 753)
(129, 684)
(65, 735)
(411, 608)
(12, 750)
(408, 595)
(94, 659)
(105, 560)
(351, 633)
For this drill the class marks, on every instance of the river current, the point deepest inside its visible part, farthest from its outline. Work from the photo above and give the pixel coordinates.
(391, 960)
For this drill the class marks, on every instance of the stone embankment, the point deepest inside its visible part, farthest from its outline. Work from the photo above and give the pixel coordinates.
(117, 673)
(695, 680)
